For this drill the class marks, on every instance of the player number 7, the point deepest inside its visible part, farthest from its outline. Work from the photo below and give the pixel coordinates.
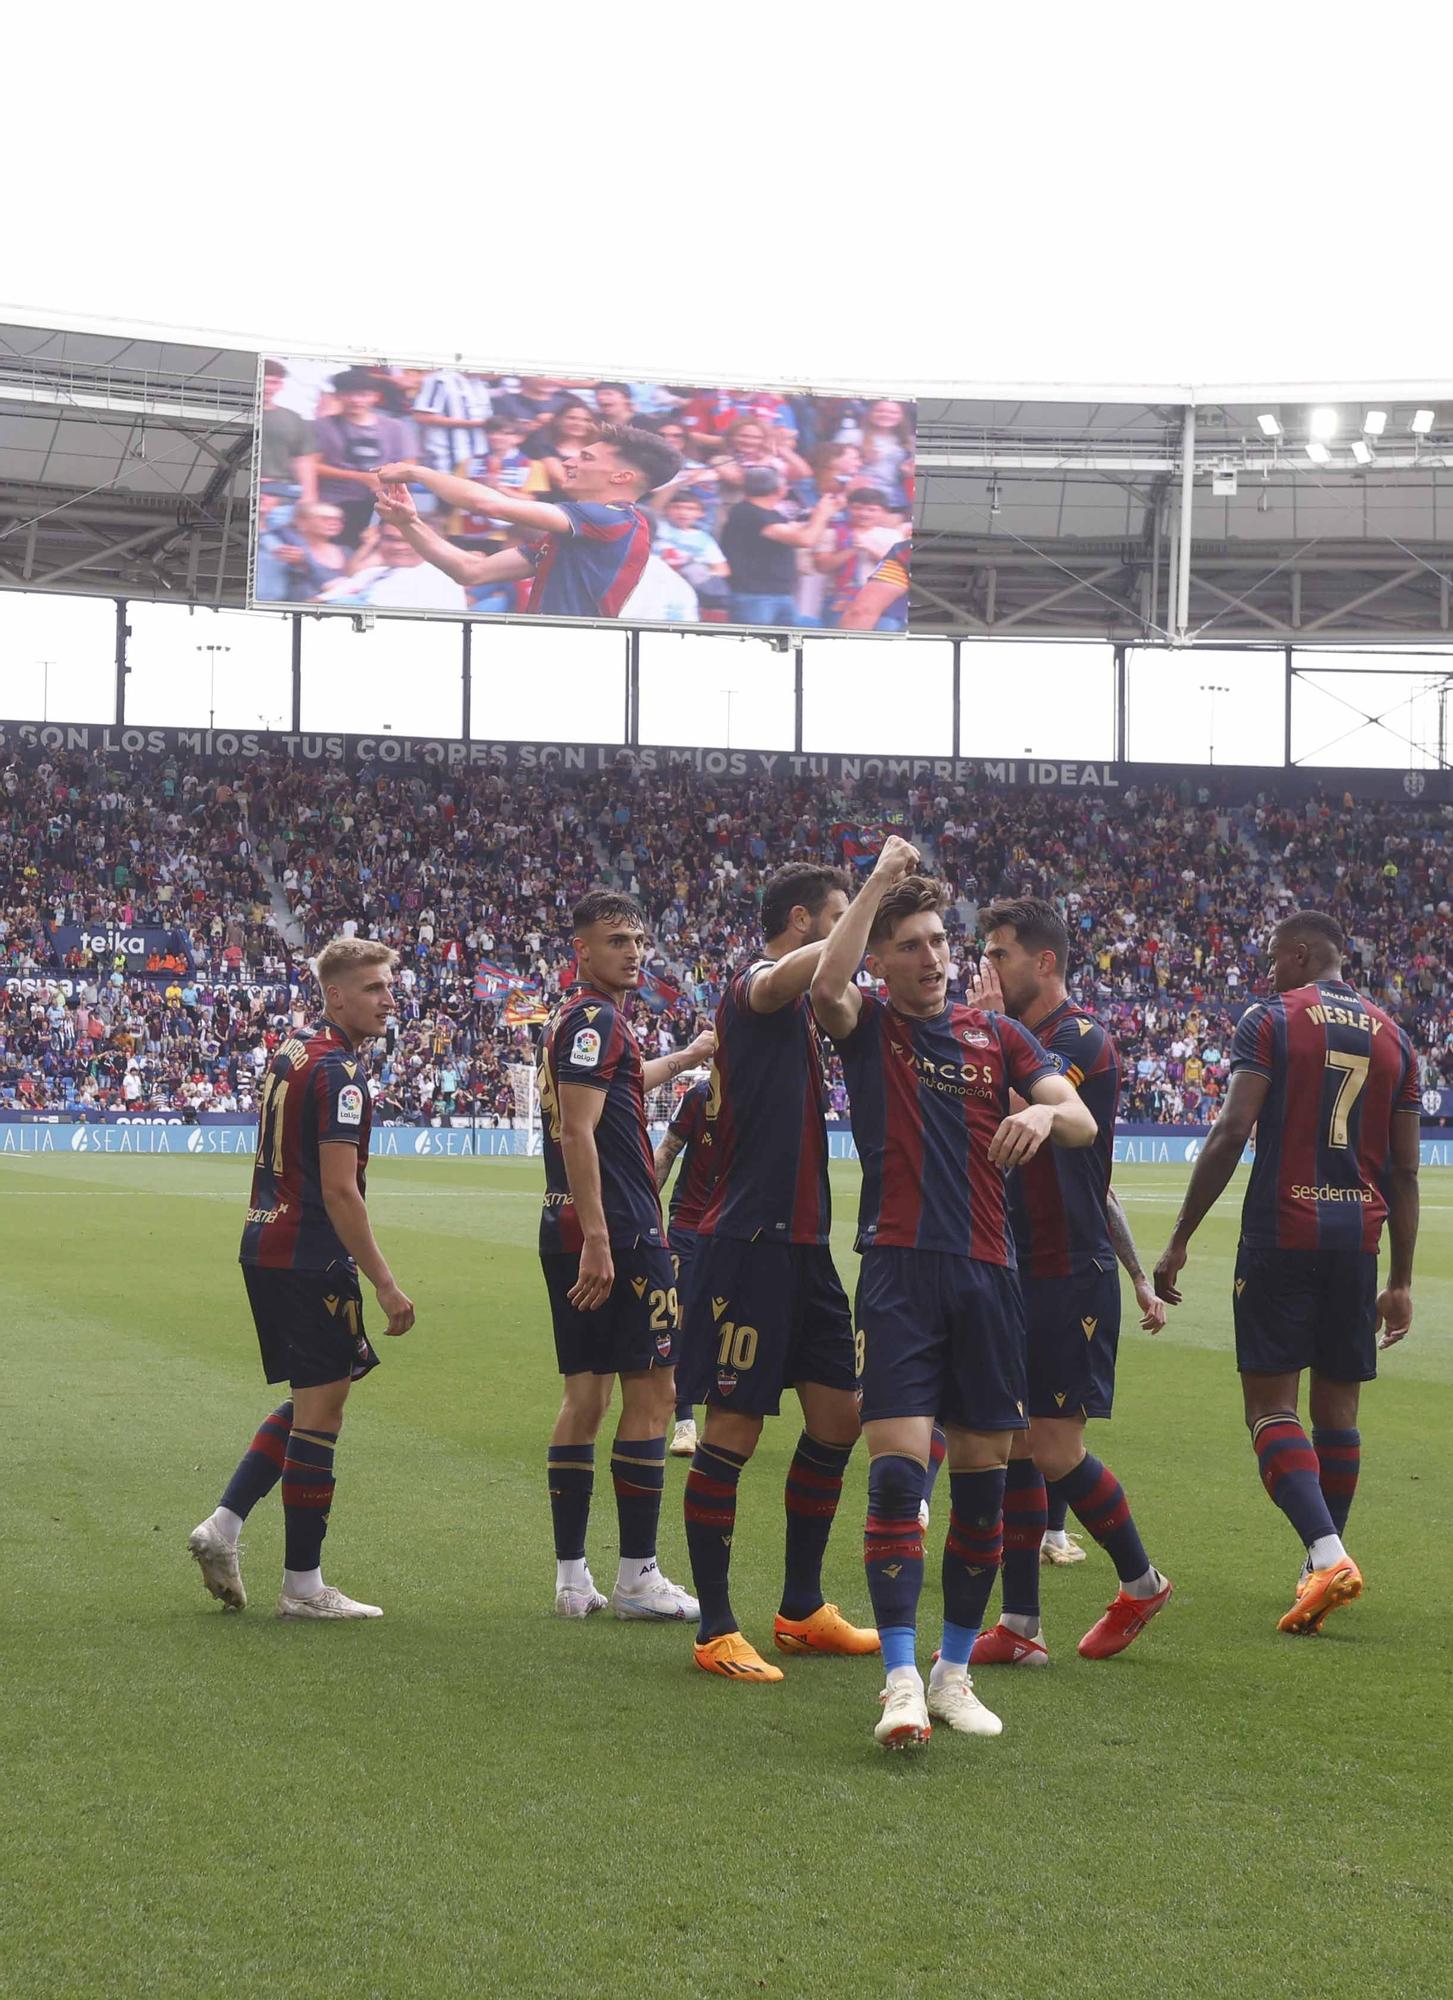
(1348, 1091)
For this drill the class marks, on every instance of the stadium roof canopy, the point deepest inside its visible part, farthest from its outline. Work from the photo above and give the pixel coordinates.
(125, 469)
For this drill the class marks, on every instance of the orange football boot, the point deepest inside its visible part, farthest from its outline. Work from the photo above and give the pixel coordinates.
(736, 1658)
(1321, 1591)
(826, 1631)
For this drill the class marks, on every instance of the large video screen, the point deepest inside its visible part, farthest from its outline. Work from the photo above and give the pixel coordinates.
(463, 494)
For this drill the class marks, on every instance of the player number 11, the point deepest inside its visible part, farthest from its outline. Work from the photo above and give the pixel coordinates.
(1354, 1079)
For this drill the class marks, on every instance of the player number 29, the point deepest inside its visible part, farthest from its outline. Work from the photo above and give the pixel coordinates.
(664, 1311)
(737, 1347)
(1354, 1078)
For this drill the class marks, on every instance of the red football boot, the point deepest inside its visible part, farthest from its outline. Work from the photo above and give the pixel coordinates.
(1124, 1620)
(999, 1647)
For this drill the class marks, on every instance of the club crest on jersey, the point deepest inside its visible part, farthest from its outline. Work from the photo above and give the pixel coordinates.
(1088, 1325)
(663, 1346)
(638, 1286)
(350, 1105)
(726, 1381)
(585, 1049)
(975, 1038)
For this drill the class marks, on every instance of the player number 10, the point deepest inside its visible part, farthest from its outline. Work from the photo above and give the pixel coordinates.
(738, 1346)
(1354, 1079)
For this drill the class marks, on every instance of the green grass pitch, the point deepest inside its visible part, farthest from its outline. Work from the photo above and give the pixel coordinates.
(472, 1799)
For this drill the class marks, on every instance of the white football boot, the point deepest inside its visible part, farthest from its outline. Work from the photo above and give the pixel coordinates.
(325, 1603)
(218, 1560)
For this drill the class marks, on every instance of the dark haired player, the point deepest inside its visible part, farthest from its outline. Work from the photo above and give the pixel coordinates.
(1330, 1084)
(1068, 1231)
(607, 1270)
(596, 543)
(939, 1315)
(687, 1135)
(767, 1311)
(306, 1238)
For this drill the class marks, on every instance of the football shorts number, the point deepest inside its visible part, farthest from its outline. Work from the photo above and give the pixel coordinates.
(737, 1347)
(860, 1351)
(665, 1311)
(1354, 1081)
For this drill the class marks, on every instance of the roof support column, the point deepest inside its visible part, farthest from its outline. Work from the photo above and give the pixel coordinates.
(1183, 569)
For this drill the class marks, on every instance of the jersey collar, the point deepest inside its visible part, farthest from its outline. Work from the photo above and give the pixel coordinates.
(331, 1028)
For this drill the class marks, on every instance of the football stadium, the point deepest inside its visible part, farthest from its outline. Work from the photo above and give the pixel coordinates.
(578, 722)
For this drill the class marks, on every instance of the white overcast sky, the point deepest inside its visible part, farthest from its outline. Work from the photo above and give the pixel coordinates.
(923, 195)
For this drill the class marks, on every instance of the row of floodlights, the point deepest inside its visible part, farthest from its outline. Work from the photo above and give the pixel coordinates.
(1325, 422)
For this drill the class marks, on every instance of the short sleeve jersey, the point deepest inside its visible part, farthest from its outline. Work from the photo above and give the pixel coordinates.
(314, 1094)
(589, 1043)
(927, 1096)
(697, 1171)
(1058, 1202)
(766, 1112)
(589, 570)
(1339, 1070)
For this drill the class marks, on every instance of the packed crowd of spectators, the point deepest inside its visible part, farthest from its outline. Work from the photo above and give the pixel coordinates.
(782, 509)
(1169, 895)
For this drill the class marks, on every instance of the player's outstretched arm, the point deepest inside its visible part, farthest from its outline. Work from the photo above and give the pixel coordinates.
(786, 980)
(836, 1000)
(664, 1157)
(1217, 1162)
(1152, 1309)
(661, 1069)
(580, 1112)
(349, 1217)
(1395, 1301)
(475, 498)
(1057, 1112)
(395, 507)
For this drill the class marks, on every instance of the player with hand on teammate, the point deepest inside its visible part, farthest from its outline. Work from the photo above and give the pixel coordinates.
(306, 1238)
(939, 1314)
(1329, 1083)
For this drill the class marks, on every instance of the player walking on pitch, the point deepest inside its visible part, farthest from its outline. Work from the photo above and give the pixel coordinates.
(608, 1272)
(686, 1135)
(1330, 1083)
(767, 1310)
(1068, 1231)
(306, 1238)
(939, 1314)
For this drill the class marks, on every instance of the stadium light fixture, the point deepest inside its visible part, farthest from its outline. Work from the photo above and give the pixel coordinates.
(1270, 424)
(1323, 423)
(1317, 452)
(1374, 423)
(1362, 451)
(1422, 423)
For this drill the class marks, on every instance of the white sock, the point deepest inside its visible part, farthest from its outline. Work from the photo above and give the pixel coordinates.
(302, 1582)
(573, 1574)
(1325, 1551)
(945, 1670)
(634, 1570)
(227, 1524)
(1145, 1586)
(904, 1677)
(1020, 1625)
(1056, 1538)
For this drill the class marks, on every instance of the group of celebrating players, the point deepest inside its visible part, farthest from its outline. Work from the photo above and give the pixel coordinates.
(987, 1314)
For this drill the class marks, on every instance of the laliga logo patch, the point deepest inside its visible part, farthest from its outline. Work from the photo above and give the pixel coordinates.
(350, 1105)
(726, 1381)
(585, 1049)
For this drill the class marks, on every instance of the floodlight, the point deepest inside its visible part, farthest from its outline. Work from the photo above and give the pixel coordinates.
(1323, 422)
(1375, 423)
(1317, 452)
(1361, 451)
(1270, 424)
(1422, 423)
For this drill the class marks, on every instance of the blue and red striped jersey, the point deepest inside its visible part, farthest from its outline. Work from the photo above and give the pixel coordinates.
(926, 1097)
(314, 1094)
(766, 1111)
(697, 1171)
(588, 1042)
(1057, 1202)
(590, 570)
(1339, 1070)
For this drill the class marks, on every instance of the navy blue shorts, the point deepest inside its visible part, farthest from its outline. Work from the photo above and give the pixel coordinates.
(1074, 1331)
(764, 1317)
(941, 1336)
(309, 1325)
(637, 1328)
(1298, 1309)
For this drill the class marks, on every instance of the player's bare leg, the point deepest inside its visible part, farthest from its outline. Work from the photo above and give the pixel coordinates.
(584, 1400)
(805, 1622)
(307, 1498)
(728, 1440)
(1291, 1474)
(648, 1401)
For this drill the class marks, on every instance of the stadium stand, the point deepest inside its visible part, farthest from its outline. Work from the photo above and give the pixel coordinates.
(471, 875)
